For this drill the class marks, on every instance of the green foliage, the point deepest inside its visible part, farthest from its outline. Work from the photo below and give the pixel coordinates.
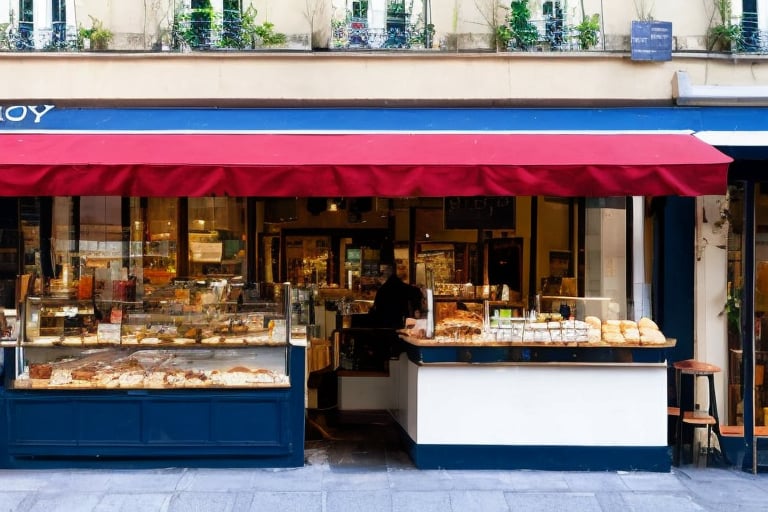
(395, 7)
(267, 35)
(503, 36)
(98, 35)
(724, 35)
(522, 32)
(421, 34)
(199, 28)
(588, 30)
(732, 310)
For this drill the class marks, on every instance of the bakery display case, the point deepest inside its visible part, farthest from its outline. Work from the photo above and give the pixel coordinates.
(520, 375)
(198, 371)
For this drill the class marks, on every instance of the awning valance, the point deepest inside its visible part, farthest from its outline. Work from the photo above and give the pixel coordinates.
(358, 164)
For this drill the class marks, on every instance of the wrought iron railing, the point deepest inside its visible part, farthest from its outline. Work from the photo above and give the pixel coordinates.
(752, 39)
(24, 37)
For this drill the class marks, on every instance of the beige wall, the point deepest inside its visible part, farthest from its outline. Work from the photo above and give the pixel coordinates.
(551, 79)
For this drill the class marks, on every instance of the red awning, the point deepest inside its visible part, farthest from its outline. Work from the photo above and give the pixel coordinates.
(356, 165)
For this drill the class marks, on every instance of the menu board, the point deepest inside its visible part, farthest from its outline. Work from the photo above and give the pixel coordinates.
(479, 212)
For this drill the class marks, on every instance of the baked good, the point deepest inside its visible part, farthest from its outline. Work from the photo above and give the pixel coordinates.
(83, 374)
(40, 371)
(594, 335)
(649, 336)
(647, 322)
(593, 322)
(613, 337)
(627, 324)
(631, 335)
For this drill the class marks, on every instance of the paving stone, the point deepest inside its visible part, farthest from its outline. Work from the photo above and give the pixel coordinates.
(424, 501)
(12, 501)
(485, 501)
(335, 481)
(655, 502)
(536, 481)
(203, 502)
(652, 482)
(356, 501)
(594, 481)
(552, 502)
(65, 502)
(131, 502)
(287, 502)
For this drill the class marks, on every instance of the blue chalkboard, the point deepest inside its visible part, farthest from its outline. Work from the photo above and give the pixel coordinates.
(651, 40)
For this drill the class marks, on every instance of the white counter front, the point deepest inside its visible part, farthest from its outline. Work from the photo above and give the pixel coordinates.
(536, 415)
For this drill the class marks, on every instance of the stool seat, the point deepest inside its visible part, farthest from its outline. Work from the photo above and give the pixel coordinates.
(707, 418)
(692, 418)
(693, 367)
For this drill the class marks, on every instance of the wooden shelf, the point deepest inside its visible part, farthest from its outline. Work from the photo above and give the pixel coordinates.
(691, 418)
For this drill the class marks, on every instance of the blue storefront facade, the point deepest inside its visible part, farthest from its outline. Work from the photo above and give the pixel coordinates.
(675, 224)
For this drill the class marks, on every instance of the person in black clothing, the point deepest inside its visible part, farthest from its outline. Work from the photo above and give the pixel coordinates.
(395, 301)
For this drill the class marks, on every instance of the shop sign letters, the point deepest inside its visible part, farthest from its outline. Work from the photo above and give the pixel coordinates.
(20, 113)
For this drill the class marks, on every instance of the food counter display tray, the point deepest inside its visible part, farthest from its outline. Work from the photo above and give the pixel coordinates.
(126, 368)
(425, 351)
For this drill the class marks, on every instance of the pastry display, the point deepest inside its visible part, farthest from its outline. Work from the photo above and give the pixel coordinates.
(154, 369)
(460, 326)
(458, 323)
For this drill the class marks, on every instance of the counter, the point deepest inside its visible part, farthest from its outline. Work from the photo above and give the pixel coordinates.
(568, 406)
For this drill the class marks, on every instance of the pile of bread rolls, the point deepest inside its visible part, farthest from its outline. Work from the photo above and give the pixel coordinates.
(618, 332)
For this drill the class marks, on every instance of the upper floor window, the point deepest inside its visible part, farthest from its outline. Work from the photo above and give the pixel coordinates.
(202, 24)
(39, 24)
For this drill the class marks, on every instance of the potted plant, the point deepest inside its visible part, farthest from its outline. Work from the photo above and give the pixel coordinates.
(97, 37)
(650, 39)
(723, 35)
(588, 31)
(523, 34)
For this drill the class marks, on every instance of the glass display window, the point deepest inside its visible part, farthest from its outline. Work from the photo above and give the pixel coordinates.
(217, 236)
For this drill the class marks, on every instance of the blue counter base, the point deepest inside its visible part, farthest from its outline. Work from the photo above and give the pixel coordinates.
(543, 458)
(152, 428)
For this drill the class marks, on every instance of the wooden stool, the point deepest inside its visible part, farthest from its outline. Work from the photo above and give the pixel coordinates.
(708, 419)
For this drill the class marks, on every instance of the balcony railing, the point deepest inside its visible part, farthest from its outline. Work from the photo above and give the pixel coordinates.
(233, 30)
(751, 39)
(23, 37)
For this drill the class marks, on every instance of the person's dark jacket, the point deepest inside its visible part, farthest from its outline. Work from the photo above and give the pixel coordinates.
(394, 302)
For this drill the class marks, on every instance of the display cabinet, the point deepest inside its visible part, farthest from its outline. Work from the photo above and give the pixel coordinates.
(197, 372)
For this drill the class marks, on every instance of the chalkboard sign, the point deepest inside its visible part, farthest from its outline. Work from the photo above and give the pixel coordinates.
(651, 40)
(479, 212)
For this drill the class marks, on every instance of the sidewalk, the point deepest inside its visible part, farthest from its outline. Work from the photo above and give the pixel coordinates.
(365, 469)
(364, 484)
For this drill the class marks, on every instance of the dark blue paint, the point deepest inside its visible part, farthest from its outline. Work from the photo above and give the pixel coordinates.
(543, 354)
(544, 458)
(154, 428)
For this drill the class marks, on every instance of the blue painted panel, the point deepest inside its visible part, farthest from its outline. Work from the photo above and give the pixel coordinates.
(46, 420)
(210, 428)
(109, 421)
(544, 458)
(394, 119)
(250, 421)
(517, 354)
(174, 422)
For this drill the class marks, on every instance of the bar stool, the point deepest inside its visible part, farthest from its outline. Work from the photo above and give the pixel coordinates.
(696, 419)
